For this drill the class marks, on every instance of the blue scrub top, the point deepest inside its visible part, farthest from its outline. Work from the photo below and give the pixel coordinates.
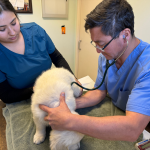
(129, 87)
(22, 70)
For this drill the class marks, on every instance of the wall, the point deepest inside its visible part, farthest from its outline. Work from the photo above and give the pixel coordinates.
(141, 11)
(65, 43)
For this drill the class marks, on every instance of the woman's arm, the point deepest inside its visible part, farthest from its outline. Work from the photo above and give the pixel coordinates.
(8, 94)
(59, 61)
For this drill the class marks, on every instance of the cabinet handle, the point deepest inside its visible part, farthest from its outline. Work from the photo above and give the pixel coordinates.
(79, 44)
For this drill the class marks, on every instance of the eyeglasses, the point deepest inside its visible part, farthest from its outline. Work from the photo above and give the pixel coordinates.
(102, 49)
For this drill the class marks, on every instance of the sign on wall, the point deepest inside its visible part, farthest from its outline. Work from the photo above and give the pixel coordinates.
(55, 8)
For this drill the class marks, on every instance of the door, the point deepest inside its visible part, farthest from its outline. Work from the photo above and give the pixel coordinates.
(87, 55)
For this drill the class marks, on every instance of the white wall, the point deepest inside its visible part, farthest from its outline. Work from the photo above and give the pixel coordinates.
(141, 9)
(65, 43)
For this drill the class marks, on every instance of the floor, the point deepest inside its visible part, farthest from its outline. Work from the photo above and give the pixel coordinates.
(3, 145)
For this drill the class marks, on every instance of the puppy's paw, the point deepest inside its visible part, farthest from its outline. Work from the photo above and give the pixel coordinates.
(38, 138)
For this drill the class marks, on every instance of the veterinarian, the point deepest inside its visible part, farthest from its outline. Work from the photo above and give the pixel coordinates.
(26, 51)
(111, 26)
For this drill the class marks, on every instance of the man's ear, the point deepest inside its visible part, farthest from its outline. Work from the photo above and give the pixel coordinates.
(126, 34)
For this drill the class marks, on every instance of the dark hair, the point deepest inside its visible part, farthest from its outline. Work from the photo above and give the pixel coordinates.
(5, 5)
(112, 16)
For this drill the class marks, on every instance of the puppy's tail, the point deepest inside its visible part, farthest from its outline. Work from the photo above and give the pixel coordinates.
(65, 140)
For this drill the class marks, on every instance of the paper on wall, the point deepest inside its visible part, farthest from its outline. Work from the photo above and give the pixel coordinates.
(13, 2)
(17, 3)
(20, 3)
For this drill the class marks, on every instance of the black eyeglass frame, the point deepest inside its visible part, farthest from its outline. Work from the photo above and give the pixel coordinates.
(102, 49)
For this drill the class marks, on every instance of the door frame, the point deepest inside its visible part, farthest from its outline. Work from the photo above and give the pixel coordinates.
(77, 37)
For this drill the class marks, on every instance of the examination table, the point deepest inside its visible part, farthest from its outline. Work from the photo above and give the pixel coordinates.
(20, 132)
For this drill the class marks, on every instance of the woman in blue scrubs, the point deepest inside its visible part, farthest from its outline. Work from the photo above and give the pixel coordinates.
(26, 51)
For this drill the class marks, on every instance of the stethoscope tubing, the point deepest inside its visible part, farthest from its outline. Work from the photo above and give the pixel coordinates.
(107, 66)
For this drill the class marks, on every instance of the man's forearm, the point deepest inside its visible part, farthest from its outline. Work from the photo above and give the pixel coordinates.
(91, 98)
(105, 128)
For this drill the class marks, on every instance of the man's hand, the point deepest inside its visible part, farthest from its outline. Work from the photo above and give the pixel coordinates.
(58, 117)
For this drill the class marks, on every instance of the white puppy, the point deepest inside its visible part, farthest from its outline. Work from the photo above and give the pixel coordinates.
(47, 91)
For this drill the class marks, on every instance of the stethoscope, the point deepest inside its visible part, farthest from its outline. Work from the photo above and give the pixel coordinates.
(107, 66)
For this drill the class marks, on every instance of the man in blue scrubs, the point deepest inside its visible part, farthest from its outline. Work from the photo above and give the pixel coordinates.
(111, 25)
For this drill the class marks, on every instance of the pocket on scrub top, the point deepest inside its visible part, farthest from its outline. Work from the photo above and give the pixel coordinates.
(122, 99)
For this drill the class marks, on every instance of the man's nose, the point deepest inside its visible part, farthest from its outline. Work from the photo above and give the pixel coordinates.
(98, 50)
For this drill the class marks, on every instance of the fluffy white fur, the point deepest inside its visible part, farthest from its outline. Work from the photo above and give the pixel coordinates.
(47, 91)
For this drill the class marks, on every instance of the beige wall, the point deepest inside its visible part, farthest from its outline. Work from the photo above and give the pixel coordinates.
(141, 9)
(65, 43)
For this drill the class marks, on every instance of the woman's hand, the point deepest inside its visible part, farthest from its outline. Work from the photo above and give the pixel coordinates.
(58, 117)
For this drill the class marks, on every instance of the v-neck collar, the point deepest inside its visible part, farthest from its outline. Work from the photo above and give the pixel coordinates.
(128, 61)
(25, 42)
